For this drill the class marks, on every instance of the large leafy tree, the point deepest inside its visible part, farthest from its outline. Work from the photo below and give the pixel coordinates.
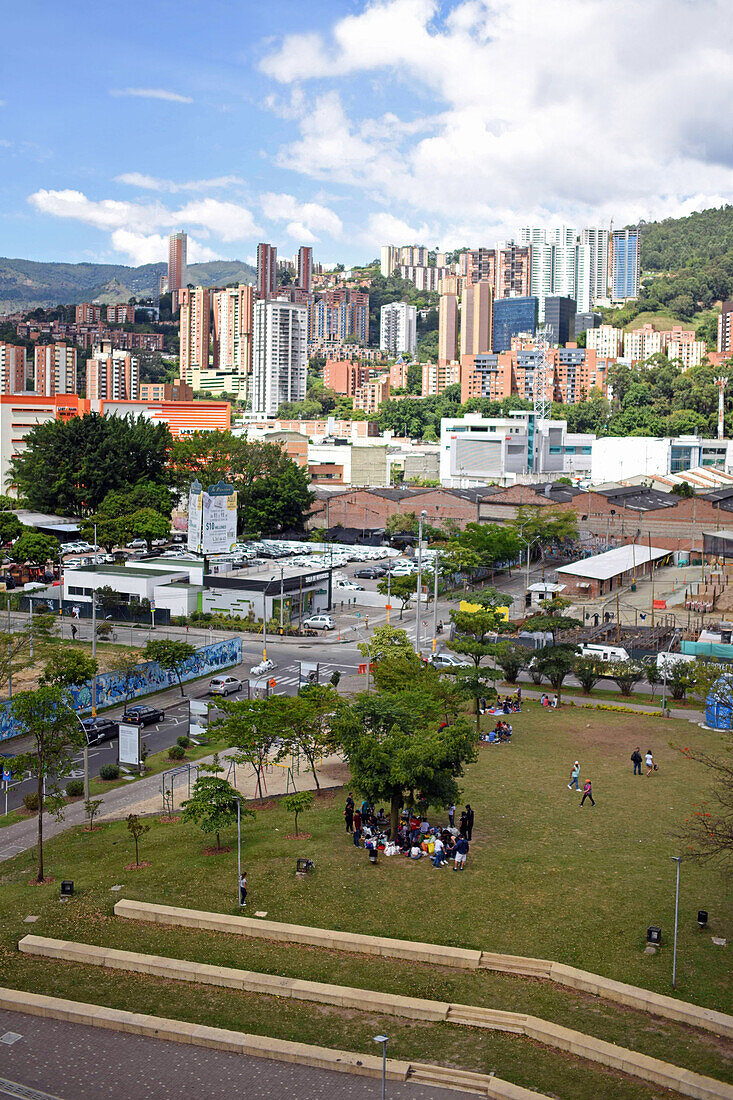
(36, 548)
(308, 718)
(142, 511)
(399, 588)
(10, 527)
(551, 525)
(475, 639)
(69, 466)
(273, 494)
(555, 663)
(550, 619)
(398, 752)
(54, 733)
(255, 730)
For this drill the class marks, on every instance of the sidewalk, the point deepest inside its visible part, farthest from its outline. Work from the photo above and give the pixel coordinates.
(694, 716)
(144, 796)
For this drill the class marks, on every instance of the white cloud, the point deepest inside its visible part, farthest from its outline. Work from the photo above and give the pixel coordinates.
(305, 220)
(153, 248)
(152, 93)
(153, 183)
(138, 229)
(526, 111)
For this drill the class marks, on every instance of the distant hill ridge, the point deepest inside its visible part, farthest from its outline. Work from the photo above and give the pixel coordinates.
(26, 284)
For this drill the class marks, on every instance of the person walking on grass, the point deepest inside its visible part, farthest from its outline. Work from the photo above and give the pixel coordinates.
(588, 793)
(452, 817)
(349, 814)
(460, 852)
(649, 761)
(243, 888)
(469, 821)
(463, 824)
(357, 828)
(636, 761)
(574, 777)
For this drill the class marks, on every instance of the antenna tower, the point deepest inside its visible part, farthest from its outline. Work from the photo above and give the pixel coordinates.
(542, 373)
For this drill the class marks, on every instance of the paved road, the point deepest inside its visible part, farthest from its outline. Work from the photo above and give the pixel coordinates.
(64, 1061)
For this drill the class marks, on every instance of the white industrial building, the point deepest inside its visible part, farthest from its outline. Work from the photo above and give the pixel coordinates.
(279, 355)
(475, 450)
(398, 329)
(620, 458)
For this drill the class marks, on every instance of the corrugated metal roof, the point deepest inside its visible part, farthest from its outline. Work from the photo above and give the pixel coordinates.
(601, 567)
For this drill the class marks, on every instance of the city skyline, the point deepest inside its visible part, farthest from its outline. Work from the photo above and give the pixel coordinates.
(344, 132)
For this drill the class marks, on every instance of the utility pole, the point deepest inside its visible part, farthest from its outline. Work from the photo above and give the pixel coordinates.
(435, 601)
(419, 580)
(721, 383)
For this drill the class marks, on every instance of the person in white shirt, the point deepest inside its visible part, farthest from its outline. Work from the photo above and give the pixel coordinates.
(439, 856)
(649, 761)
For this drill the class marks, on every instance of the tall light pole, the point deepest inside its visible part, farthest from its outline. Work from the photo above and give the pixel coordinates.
(94, 641)
(282, 567)
(435, 601)
(419, 580)
(383, 1039)
(677, 860)
(86, 751)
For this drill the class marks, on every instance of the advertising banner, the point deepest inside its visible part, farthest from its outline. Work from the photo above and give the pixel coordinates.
(219, 527)
(195, 509)
(129, 744)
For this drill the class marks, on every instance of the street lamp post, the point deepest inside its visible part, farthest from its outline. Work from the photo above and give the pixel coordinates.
(86, 751)
(94, 641)
(281, 597)
(419, 580)
(677, 860)
(383, 1039)
(435, 601)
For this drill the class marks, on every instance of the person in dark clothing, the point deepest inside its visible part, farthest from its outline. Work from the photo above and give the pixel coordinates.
(463, 825)
(469, 821)
(349, 814)
(460, 851)
(357, 828)
(587, 793)
(636, 761)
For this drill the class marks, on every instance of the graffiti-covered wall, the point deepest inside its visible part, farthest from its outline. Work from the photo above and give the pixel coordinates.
(147, 677)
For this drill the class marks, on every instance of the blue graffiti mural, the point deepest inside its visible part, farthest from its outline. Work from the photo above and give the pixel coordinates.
(115, 688)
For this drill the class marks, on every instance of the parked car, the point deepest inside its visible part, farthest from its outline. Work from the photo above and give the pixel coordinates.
(370, 572)
(447, 660)
(262, 668)
(319, 622)
(224, 685)
(100, 729)
(137, 544)
(350, 585)
(143, 715)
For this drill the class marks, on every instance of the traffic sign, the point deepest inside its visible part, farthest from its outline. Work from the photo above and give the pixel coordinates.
(7, 774)
(388, 607)
(272, 683)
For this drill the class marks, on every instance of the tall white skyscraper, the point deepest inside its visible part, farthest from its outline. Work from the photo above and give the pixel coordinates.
(398, 328)
(596, 241)
(280, 354)
(561, 265)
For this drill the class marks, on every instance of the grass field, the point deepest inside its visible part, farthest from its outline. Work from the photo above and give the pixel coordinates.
(108, 655)
(544, 878)
(662, 321)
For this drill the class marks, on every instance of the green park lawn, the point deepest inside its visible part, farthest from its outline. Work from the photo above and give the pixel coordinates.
(544, 878)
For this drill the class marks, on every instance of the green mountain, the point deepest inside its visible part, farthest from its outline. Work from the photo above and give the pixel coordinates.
(26, 284)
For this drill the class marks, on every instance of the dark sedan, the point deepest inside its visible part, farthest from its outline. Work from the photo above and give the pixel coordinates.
(99, 729)
(370, 572)
(142, 715)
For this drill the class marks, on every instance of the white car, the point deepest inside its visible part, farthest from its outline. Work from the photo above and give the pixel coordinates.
(262, 668)
(448, 660)
(224, 685)
(350, 585)
(319, 622)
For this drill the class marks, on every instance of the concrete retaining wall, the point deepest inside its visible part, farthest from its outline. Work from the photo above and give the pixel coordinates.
(630, 995)
(258, 1046)
(561, 1038)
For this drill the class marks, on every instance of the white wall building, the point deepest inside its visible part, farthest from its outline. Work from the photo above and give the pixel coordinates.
(475, 450)
(398, 328)
(566, 264)
(390, 258)
(596, 241)
(280, 354)
(606, 341)
(619, 458)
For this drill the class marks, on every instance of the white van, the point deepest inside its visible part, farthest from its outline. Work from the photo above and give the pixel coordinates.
(606, 654)
(666, 660)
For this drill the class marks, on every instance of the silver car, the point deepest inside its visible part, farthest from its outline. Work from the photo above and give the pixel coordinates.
(224, 685)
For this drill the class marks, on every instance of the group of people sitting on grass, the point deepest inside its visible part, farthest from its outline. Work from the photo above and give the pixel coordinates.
(507, 705)
(416, 838)
(546, 701)
(502, 731)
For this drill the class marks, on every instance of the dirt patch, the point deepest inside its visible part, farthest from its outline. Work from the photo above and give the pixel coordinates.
(169, 820)
(138, 866)
(44, 882)
(216, 851)
(300, 836)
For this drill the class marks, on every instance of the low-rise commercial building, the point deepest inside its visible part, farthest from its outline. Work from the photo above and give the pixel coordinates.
(604, 573)
(617, 458)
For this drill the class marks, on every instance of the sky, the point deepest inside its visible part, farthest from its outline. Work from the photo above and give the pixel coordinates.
(353, 124)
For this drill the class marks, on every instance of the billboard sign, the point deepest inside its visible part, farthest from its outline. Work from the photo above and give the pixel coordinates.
(130, 744)
(219, 519)
(195, 508)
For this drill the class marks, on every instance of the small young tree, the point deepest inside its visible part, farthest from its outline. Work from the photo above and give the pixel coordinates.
(298, 803)
(587, 672)
(44, 717)
(68, 667)
(91, 808)
(550, 619)
(653, 676)
(128, 668)
(170, 655)
(213, 801)
(137, 828)
(511, 659)
(473, 631)
(625, 674)
(399, 588)
(555, 663)
(680, 678)
(308, 723)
